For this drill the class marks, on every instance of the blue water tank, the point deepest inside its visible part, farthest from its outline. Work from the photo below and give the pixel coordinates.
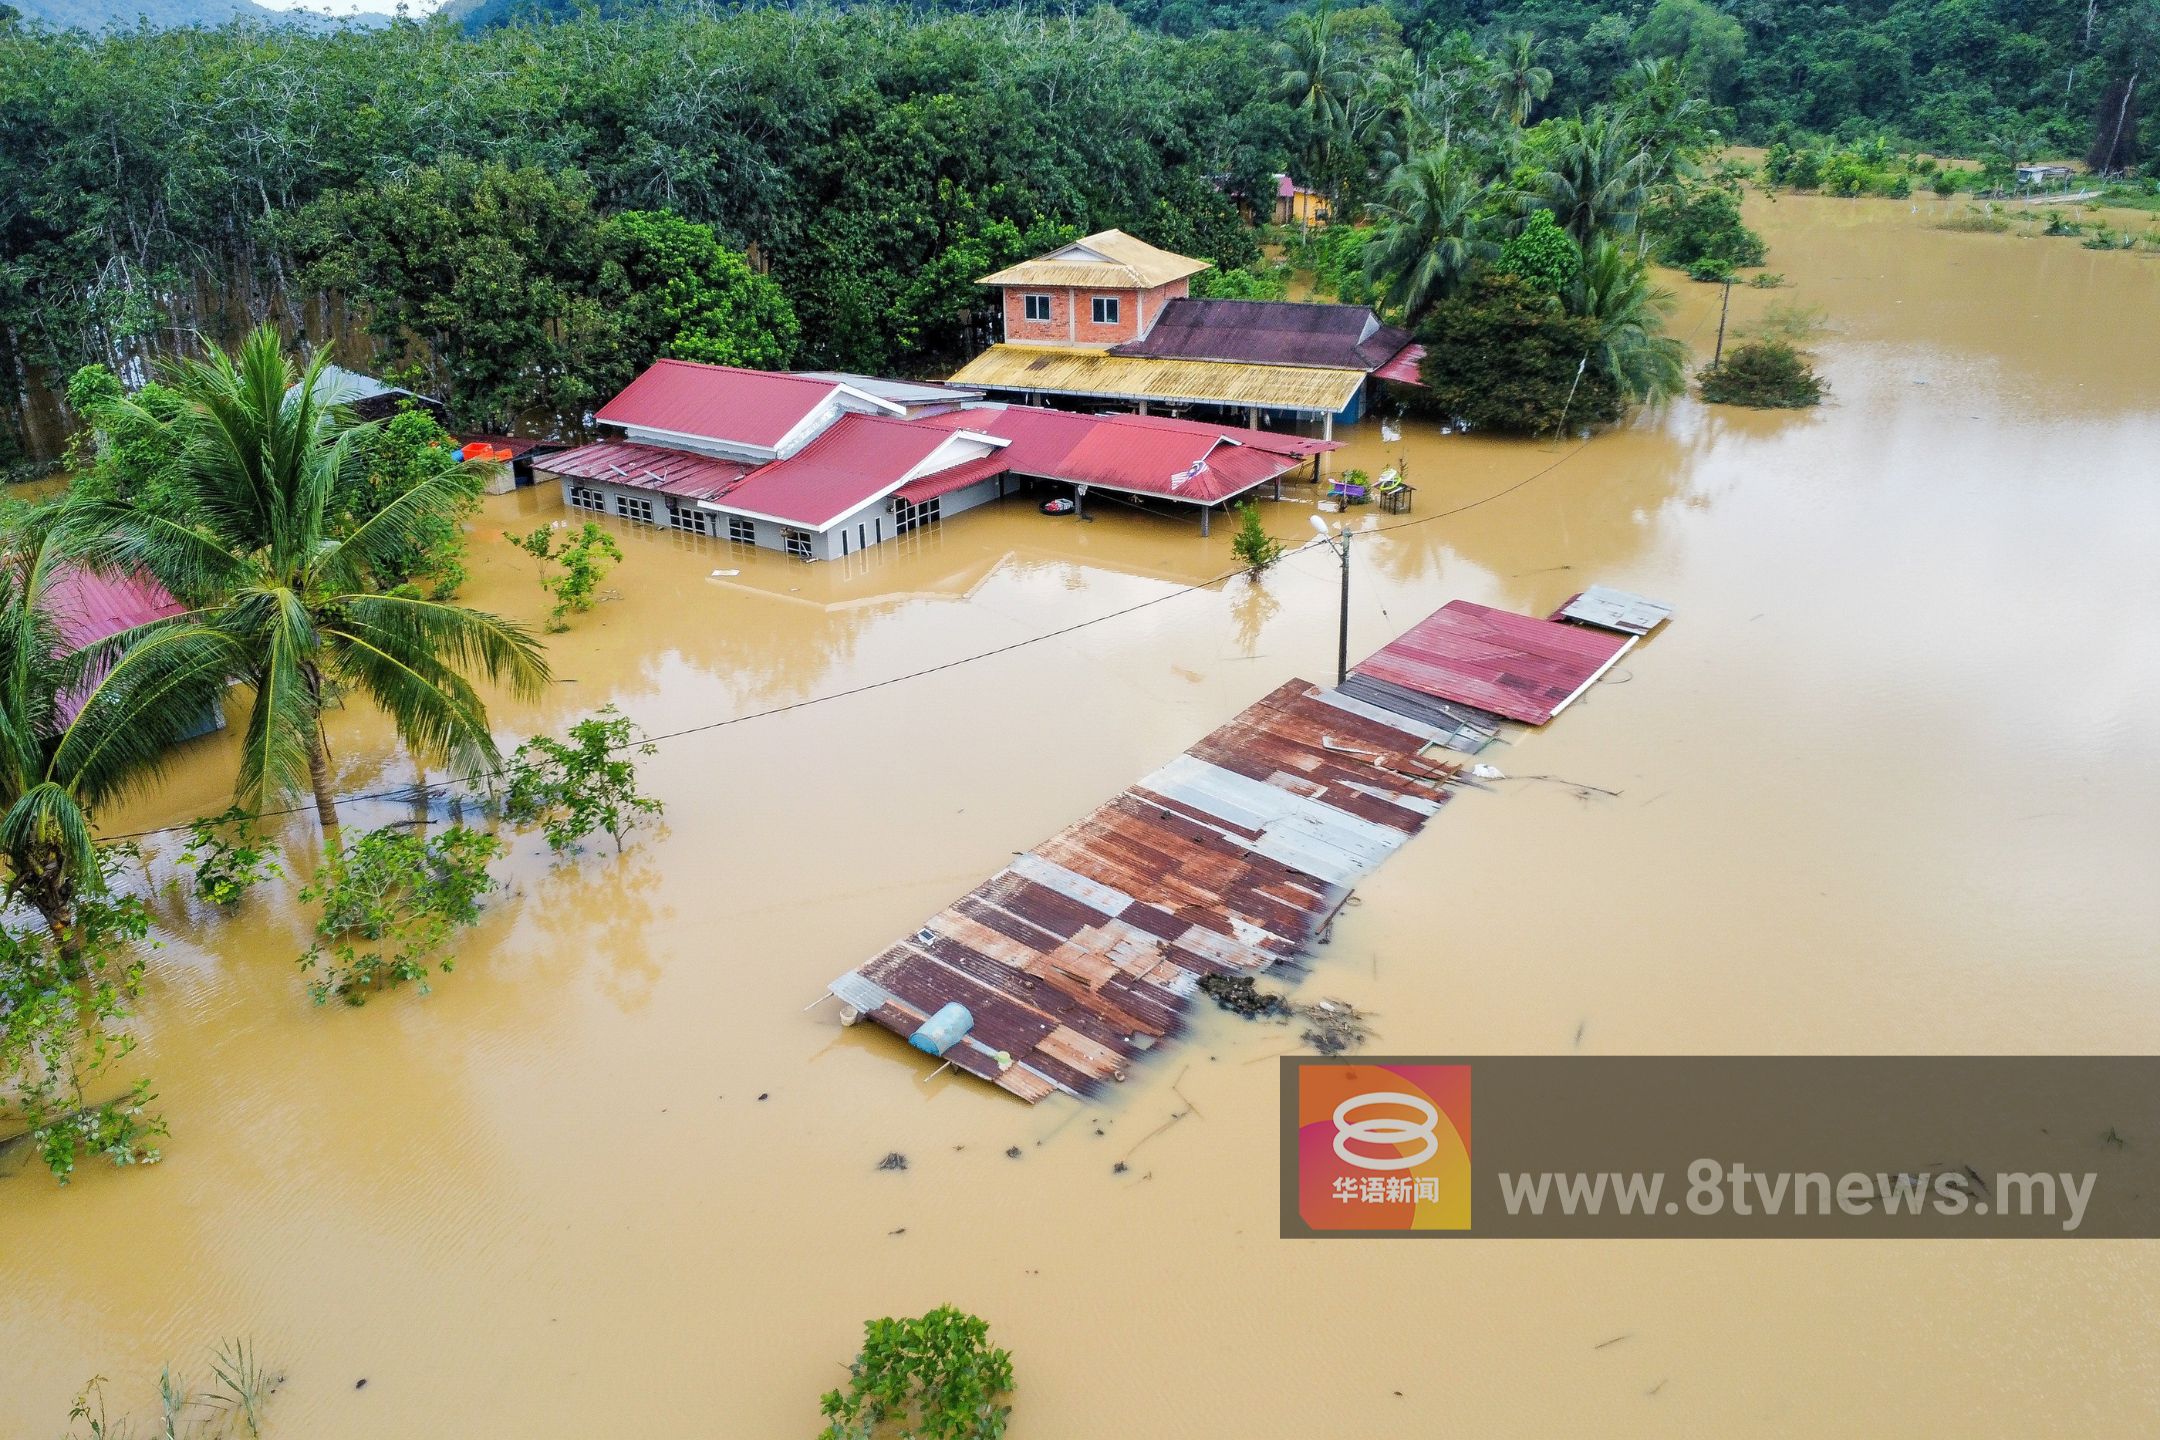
(941, 1031)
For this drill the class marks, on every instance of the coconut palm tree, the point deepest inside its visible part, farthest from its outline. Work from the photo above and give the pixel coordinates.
(1320, 72)
(1594, 184)
(1428, 232)
(262, 448)
(1615, 292)
(1521, 82)
(78, 727)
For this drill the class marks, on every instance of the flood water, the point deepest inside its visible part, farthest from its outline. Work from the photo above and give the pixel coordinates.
(1888, 783)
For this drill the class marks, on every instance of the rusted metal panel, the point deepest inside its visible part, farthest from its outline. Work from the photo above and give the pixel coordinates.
(1086, 951)
(1524, 668)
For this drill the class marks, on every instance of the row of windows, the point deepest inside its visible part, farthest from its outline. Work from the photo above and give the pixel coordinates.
(585, 499)
(631, 509)
(907, 517)
(798, 542)
(1037, 307)
(697, 522)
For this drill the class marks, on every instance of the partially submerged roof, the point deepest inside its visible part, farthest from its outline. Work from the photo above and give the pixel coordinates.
(1402, 367)
(724, 403)
(87, 606)
(1611, 609)
(857, 459)
(1087, 951)
(1106, 260)
(648, 467)
(1270, 332)
(1171, 459)
(1097, 374)
(1513, 665)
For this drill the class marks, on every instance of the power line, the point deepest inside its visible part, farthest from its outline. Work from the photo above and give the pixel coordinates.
(408, 791)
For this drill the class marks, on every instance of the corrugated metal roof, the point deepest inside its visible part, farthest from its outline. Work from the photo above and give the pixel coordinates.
(854, 461)
(1611, 609)
(716, 402)
(1269, 332)
(1514, 665)
(87, 607)
(648, 467)
(959, 477)
(1169, 459)
(900, 392)
(1106, 260)
(1086, 951)
(1077, 370)
(1402, 368)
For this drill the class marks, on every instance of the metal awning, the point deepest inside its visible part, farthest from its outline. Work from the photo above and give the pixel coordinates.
(1096, 374)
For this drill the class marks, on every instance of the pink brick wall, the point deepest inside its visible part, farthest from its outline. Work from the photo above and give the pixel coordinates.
(1072, 314)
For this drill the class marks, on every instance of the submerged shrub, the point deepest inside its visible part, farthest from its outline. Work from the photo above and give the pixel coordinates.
(1765, 374)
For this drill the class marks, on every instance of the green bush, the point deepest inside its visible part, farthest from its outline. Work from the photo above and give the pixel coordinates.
(937, 1378)
(1703, 223)
(1252, 544)
(1542, 255)
(1710, 270)
(1765, 374)
(1501, 356)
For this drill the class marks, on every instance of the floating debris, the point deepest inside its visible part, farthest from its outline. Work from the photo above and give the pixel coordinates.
(1238, 995)
(1334, 1026)
(893, 1161)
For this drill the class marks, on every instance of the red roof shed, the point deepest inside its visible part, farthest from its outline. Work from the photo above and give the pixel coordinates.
(1512, 665)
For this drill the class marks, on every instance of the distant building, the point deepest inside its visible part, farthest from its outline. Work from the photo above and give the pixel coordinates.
(1109, 318)
(1297, 204)
(371, 399)
(2037, 174)
(824, 465)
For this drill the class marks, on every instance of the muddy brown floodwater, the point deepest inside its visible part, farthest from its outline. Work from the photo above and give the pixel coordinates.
(1889, 783)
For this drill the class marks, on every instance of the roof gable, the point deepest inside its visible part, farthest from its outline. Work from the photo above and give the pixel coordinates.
(757, 409)
(855, 461)
(1106, 260)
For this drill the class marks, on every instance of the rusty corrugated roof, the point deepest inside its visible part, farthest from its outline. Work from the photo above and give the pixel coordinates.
(648, 467)
(1086, 951)
(1513, 665)
(1270, 332)
(1079, 370)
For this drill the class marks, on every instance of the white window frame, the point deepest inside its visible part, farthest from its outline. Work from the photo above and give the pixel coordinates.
(690, 520)
(1028, 307)
(742, 529)
(584, 497)
(798, 542)
(1105, 309)
(632, 507)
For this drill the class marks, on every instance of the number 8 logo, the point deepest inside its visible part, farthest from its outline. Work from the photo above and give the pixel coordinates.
(1386, 1130)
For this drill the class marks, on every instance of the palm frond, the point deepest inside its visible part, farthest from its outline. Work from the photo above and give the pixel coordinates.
(282, 723)
(437, 713)
(464, 639)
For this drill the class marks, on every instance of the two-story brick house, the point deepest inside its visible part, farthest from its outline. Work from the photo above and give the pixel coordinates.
(1102, 290)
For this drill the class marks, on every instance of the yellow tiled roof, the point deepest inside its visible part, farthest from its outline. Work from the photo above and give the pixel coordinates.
(1079, 370)
(1106, 260)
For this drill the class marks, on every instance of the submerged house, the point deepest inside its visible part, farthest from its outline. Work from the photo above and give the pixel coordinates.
(1109, 318)
(823, 465)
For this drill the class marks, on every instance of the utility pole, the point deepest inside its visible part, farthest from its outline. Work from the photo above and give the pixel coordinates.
(1723, 310)
(1339, 541)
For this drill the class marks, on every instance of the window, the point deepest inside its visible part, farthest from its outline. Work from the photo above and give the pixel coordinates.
(693, 520)
(1106, 309)
(631, 509)
(797, 542)
(741, 529)
(1038, 306)
(585, 498)
(907, 517)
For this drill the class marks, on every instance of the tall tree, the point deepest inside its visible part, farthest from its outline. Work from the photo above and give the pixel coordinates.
(1429, 232)
(1594, 182)
(296, 606)
(1616, 293)
(1520, 82)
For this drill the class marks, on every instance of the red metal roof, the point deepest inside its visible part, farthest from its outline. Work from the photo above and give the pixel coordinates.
(959, 477)
(1138, 454)
(87, 607)
(1513, 665)
(716, 402)
(648, 467)
(855, 460)
(1403, 369)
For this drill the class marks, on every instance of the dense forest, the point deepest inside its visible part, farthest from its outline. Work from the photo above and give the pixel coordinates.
(519, 215)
